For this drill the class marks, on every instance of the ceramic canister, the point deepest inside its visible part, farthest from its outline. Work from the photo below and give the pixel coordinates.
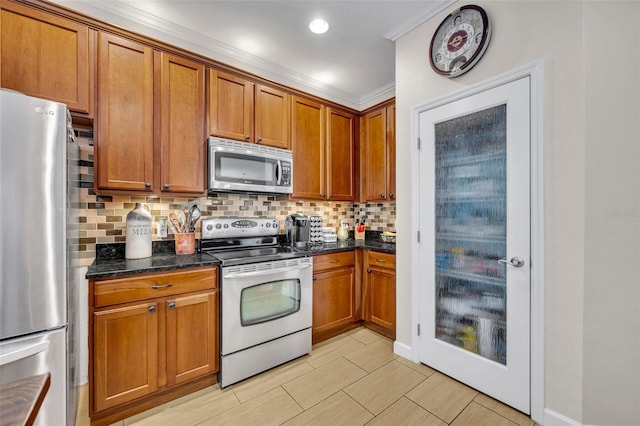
(138, 232)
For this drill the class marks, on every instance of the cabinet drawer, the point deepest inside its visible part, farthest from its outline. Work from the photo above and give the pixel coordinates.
(148, 286)
(333, 260)
(381, 260)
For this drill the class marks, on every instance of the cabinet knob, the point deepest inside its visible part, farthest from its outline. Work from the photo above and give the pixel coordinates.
(383, 196)
(391, 195)
(315, 278)
(322, 195)
(247, 137)
(259, 139)
(369, 270)
(147, 184)
(330, 196)
(165, 186)
(152, 308)
(171, 305)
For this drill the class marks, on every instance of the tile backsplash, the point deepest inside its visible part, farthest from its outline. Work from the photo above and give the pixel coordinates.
(102, 218)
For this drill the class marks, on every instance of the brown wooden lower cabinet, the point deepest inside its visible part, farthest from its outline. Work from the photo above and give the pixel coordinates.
(142, 348)
(336, 306)
(379, 292)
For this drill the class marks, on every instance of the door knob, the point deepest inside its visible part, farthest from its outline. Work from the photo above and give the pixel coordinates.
(515, 261)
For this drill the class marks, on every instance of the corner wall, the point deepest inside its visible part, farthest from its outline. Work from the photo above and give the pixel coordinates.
(612, 229)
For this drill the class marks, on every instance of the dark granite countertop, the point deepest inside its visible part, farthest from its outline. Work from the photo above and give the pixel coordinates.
(110, 260)
(351, 244)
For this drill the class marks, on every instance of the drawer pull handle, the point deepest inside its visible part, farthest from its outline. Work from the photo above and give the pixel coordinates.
(172, 305)
(334, 261)
(381, 260)
(155, 287)
(152, 308)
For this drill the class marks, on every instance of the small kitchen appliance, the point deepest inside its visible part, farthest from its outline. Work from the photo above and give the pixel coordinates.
(246, 167)
(266, 295)
(297, 228)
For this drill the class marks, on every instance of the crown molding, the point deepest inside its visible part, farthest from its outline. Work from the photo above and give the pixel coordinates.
(423, 16)
(122, 14)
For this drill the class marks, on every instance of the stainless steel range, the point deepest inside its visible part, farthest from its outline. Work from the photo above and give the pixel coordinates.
(266, 295)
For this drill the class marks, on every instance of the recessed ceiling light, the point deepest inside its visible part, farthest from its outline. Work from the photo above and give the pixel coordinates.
(319, 26)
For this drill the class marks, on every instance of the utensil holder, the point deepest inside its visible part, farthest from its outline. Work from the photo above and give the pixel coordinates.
(185, 243)
(358, 235)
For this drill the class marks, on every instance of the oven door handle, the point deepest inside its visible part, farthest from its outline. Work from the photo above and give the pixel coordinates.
(264, 272)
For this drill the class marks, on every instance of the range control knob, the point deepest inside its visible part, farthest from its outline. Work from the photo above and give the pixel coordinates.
(218, 226)
(268, 225)
(209, 227)
(226, 225)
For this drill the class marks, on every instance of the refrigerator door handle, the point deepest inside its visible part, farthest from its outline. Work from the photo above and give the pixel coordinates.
(22, 352)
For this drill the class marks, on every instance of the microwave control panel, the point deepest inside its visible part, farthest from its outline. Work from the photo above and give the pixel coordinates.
(286, 174)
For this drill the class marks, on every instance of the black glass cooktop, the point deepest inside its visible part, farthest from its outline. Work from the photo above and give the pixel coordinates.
(256, 255)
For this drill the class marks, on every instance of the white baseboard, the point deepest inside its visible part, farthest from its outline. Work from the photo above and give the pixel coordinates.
(403, 350)
(551, 418)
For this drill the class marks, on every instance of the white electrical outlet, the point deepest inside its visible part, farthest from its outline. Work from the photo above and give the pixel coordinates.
(162, 228)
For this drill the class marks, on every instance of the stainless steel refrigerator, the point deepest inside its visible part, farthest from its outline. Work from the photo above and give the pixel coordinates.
(38, 289)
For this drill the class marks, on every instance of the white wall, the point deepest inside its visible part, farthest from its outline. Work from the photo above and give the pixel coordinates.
(555, 32)
(612, 234)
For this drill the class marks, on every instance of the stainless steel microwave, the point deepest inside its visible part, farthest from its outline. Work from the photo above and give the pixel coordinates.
(245, 167)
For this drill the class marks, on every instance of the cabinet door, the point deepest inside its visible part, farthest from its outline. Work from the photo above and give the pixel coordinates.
(230, 106)
(125, 115)
(333, 299)
(192, 338)
(307, 124)
(340, 155)
(375, 152)
(45, 56)
(272, 117)
(380, 291)
(379, 296)
(182, 138)
(125, 354)
(391, 152)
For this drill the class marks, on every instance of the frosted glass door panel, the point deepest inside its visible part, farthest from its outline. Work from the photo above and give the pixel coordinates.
(470, 220)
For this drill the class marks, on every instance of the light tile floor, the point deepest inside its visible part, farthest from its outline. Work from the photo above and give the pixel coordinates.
(352, 379)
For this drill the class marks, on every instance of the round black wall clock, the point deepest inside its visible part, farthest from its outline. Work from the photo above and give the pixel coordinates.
(460, 41)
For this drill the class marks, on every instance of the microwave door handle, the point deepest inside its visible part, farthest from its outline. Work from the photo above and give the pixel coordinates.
(278, 172)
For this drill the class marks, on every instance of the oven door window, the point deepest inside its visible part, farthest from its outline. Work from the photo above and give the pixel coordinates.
(269, 301)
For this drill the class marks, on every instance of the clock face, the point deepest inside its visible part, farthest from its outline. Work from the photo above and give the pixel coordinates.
(460, 41)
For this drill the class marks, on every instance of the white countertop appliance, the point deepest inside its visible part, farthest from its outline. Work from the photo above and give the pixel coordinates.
(246, 167)
(266, 296)
(38, 292)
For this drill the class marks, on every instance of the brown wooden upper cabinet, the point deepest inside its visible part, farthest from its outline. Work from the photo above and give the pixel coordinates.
(323, 151)
(340, 155)
(243, 110)
(182, 113)
(129, 156)
(45, 56)
(378, 172)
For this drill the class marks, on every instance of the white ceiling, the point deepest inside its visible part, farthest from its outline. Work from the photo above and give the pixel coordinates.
(352, 64)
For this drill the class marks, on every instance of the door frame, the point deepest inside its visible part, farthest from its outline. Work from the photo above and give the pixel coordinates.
(535, 71)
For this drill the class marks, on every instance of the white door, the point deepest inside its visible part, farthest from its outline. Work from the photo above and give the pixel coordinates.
(474, 220)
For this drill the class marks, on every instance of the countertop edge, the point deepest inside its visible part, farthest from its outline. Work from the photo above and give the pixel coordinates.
(109, 268)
